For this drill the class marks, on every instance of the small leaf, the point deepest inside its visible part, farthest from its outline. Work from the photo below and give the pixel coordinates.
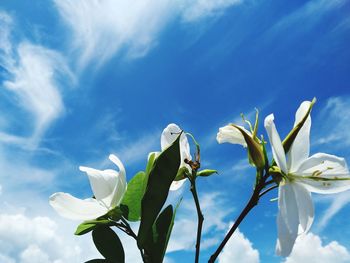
(108, 244)
(160, 178)
(90, 225)
(115, 214)
(207, 172)
(159, 237)
(133, 196)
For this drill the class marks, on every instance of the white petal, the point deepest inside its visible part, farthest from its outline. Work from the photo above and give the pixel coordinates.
(300, 149)
(305, 207)
(77, 209)
(287, 220)
(276, 144)
(230, 134)
(120, 187)
(327, 166)
(102, 183)
(169, 135)
(175, 185)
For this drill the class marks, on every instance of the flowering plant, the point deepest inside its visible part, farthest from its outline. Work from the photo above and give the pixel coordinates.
(290, 170)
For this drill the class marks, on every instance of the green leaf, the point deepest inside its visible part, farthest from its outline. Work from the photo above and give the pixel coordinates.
(115, 214)
(160, 178)
(90, 225)
(133, 196)
(151, 159)
(108, 244)
(206, 172)
(159, 237)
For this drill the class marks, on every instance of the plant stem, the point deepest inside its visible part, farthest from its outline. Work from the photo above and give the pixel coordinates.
(268, 190)
(253, 201)
(125, 227)
(199, 214)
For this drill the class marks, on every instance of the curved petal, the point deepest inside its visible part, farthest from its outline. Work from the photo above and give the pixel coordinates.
(71, 207)
(324, 173)
(175, 185)
(230, 134)
(276, 144)
(169, 135)
(305, 207)
(300, 148)
(287, 220)
(102, 183)
(121, 185)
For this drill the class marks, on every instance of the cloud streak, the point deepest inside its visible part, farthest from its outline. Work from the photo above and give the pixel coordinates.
(102, 29)
(33, 79)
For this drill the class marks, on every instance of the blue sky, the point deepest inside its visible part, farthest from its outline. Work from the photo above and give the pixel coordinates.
(83, 79)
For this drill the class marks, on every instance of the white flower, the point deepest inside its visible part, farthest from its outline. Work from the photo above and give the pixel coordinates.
(319, 173)
(169, 135)
(230, 134)
(108, 187)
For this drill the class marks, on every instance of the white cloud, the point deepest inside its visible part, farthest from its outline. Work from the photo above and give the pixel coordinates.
(338, 202)
(23, 238)
(33, 81)
(309, 248)
(32, 76)
(239, 249)
(306, 17)
(103, 28)
(197, 9)
(333, 120)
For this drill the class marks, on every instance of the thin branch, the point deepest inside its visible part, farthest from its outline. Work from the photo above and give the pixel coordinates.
(268, 190)
(200, 217)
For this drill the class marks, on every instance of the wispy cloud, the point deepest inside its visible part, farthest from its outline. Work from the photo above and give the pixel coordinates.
(102, 29)
(305, 17)
(33, 75)
(333, 122)
(193, 10)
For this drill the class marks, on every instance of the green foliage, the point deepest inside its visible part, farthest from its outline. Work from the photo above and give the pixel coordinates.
(161, 176)
(108, 244)
(133, 196)
(206, 172)
(158, 238)
(90, 225)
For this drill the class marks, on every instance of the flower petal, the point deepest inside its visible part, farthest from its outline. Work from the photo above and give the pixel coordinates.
(71, 207)
(276, 144)
(169, 135)
(175, 185)
(230, 134)
(120, 188)
(305, 207)
(287, 220)
(102, 183)
(324, 173)
(300, 149)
